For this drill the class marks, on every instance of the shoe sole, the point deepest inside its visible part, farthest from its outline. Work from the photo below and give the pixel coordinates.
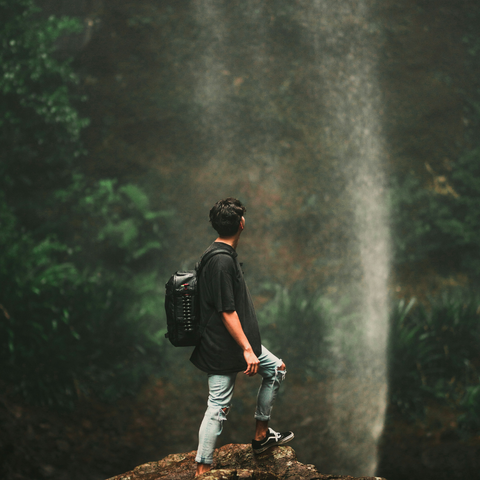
(257, 451)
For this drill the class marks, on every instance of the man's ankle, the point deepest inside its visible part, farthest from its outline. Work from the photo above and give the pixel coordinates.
(261, 430)
(202, 468)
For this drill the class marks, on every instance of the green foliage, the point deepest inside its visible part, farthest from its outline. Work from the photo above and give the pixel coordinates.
(290, 319)
(440, 223)
(434, 356)
(73, 329)
(433, 348)
(80, 302)
(435, 217)
(327, 331)
(470, 420)
(112, 223)
(40, 126)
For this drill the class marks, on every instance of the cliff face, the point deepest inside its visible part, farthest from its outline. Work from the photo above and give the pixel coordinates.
(233, 462)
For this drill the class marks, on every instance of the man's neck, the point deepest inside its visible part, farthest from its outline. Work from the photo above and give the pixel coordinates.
(232, 241)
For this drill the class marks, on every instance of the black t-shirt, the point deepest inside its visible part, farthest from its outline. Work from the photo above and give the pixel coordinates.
(222, 288)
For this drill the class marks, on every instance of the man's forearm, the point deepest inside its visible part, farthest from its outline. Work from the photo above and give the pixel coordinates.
(234, 327)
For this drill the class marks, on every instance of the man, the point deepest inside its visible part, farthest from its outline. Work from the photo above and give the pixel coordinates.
(231, 341)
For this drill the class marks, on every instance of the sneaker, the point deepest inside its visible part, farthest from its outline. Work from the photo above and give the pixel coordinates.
(273, 438)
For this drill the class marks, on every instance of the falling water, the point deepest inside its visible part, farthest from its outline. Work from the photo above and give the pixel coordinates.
(341, 33)
(346, 98)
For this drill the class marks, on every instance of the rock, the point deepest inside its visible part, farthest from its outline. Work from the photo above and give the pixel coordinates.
(233, 462)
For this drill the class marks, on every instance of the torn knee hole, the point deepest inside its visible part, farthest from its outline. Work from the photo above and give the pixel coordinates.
(222, 413)
(280, 374)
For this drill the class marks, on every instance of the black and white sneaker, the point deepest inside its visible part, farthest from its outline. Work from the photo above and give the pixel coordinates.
(273, 438)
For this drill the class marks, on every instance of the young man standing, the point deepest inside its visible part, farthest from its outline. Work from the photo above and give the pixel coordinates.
(231, 341)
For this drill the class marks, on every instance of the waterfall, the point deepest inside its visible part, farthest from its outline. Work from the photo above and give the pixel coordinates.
(341, 33)
(340, 114)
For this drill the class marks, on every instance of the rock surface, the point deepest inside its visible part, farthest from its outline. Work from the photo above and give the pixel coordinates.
(233, 462)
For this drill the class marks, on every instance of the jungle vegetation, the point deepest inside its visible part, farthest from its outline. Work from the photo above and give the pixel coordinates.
(83, 256)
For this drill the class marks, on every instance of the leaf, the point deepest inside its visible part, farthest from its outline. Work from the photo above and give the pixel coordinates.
(149, 246)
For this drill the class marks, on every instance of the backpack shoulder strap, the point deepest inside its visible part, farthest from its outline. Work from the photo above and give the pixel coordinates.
(208, 255)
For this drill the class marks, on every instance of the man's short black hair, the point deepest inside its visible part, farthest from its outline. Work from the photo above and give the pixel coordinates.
(225, 216)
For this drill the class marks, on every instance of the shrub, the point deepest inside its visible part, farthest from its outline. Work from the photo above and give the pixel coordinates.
(73, 327)
(317, 335)
(434, 355)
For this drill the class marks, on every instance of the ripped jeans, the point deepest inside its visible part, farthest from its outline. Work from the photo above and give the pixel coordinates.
(221, 393)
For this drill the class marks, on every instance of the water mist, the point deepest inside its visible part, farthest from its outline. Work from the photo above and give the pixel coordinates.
(341, 33)
(344, 119)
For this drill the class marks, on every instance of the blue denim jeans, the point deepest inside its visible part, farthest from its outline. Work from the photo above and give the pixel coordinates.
(221, 393)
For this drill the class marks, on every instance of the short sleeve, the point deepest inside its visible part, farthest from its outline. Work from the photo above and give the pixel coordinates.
(222, 278)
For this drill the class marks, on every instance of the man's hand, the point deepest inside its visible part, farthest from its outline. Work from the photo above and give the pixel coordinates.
(252, 362)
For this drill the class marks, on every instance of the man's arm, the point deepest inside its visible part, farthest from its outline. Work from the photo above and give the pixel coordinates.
(234, 327)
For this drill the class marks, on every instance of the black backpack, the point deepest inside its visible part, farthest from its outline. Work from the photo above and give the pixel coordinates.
(182, 304)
